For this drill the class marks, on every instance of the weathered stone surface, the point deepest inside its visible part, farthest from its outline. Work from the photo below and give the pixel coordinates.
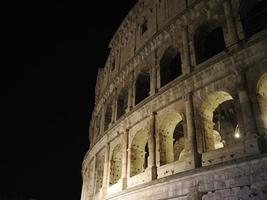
(175, 119)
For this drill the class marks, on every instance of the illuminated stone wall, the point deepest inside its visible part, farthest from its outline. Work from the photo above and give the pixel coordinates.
(181, 104)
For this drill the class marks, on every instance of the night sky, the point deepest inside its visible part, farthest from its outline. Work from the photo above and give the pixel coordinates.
(50, 53)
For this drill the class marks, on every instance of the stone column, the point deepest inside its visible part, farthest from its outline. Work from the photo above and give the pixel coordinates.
(129, 161)
(246, 108)
(130, 92)
(191, 149)
(124, 161)
(93, 178)
(114, 107)
(106, 171)
(84, 187)
(102, 121)
(133, 89)
(153, 81)
(231, 27)
(186, 64)
(152, 147)
(250, 130)
(157, 68)
(157, 138)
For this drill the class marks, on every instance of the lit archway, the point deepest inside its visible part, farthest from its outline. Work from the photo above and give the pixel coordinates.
(208, 41)
(115, 165)
(219, 121)
(139, 153)
(253, 16)
(171, 134)
(262, 98)
(170, 66)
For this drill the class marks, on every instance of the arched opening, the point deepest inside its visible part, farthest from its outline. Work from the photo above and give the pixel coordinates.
(115, 165)
(171, 134)
(170, 66)
(122, 103)
(100, 161)
(253, 16)
(219, 121)
(142, 87)
(108, 116)
(139, 153)
(209, 41)
(262, 98)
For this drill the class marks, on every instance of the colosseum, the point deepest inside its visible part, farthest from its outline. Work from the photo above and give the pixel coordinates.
(181, 104)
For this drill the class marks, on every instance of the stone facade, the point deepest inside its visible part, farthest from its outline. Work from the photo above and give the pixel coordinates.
(181, 104)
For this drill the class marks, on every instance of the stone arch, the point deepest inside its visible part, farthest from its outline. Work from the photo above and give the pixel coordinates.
(253, 16)
(170, 65)
(142, 86)
(100, 161)
(208, 41)
(108, 116)
(262, 98)
(116, 165)
(219, 121)
(171, 134)
(139, 153)
(122, 102)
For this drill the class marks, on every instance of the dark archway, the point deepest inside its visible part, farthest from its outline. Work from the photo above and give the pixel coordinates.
(170, 66)
(146, 156)
(209, 41)
(253, 16)
(142, 87)
(122, 103)
(178, 141)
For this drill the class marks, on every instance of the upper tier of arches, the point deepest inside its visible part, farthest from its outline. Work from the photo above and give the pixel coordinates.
(183, 47)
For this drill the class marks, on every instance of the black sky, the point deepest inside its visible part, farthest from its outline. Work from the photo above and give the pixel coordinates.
(50, 53)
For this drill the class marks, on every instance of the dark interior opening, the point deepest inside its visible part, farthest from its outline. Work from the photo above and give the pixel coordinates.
(146, 156)
(122, 103)
(208, 43)
(225, 121)
(178, 132)
(254, 19)
(170, 66)
(108, 115)
(142, 87)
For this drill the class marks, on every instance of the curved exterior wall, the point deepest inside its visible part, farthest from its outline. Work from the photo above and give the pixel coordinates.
(175, 116)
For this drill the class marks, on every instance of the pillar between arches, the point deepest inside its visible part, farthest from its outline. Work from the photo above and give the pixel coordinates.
(193, 157)
(106, 171)
(230, 23)
(152, 147)
(124, 159)
(251, 136)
